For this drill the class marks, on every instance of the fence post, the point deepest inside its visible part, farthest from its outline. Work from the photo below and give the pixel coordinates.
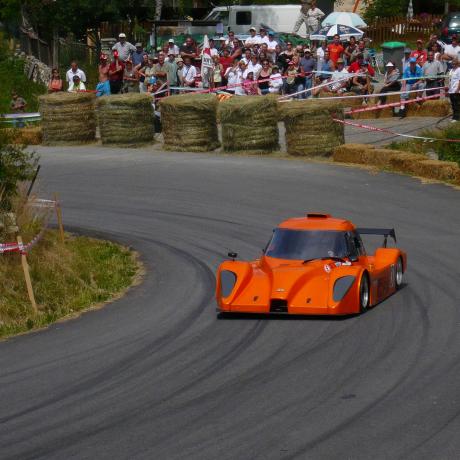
(25, 268)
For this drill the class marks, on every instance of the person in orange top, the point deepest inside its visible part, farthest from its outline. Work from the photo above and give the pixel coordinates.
(55, 84)
(335, 49)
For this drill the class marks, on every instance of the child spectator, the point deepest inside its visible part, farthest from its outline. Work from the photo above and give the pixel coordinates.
(77, 85)
(17, 104)
(74, 70)
(276, 81)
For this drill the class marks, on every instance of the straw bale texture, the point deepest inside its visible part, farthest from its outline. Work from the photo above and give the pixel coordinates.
(30, 135)
(125, 119)
(310, 130)
(435, 169)
(189, 122)
(68, 118)
(250, 123)
(405, 162)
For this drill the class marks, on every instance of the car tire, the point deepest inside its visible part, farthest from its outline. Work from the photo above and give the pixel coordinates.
(364, 293)
(399, 273)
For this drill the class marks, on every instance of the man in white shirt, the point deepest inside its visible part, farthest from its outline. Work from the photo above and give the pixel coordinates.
(263, 37)
(338, 83)
(188, 73)
(454, 90)
(452, 51)
(254, 66)
(271, 45)
(124, 48)
(173, 48)
(74, 70)
(253, 39)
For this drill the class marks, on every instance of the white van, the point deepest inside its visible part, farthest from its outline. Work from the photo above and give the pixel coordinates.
(280, 18)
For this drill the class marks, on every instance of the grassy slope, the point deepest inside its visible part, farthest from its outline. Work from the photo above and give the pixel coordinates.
(66, 279)
(12, 77)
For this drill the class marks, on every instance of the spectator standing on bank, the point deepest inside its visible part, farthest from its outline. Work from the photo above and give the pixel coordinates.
(320, 55)
(420, 54)
(349, 50)
(74, 70)
(160, 70)
(406, 58)
(264, 76)
(116, 71)
(253, 39)
(138, 56)
(452, 51)
(237, 51)
(231, 38)
(140, 70)
(172, 70)
(263, 37)
(103, 87)
(339, 83)
(123, 47)
(55, 83)
(433, 71)
(361, 49)
(254, 66)
(314, 16)
(188, 73)
(290, 83)
(302, 18)
(411, 81)
(307, 67)
(240, 76)
(129, 78)
(335, 49)
(173, 48)
(189, 50)
(231, 75)
(77, 85)
(271, 46)
(226, 60)
(454, 90)
(391, 82)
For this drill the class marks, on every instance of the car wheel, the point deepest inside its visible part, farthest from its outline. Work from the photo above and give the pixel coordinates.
(399, 273)
(364, 293)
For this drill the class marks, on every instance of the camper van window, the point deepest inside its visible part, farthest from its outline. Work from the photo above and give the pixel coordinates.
(243, 18)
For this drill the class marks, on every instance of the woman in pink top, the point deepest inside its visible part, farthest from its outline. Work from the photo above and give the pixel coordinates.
(55, 83)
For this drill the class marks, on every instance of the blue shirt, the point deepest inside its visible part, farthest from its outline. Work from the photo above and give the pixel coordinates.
(137, 57)
(415, 75)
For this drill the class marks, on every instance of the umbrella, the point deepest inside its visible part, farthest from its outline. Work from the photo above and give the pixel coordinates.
(345, 32)
(347, 19)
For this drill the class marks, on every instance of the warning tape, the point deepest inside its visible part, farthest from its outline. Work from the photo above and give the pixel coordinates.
(388, 131)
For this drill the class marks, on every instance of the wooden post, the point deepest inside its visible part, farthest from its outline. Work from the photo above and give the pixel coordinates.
(58, 209)
(25, 268)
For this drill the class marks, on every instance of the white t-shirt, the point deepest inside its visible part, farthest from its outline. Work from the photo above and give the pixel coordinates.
(232, 77)
(189, 73)
(73, 88)
(246, 60)
(320, 58)
(454, 81)
(251, 41)
(239, 90)
(263, 40)
(276, 82)
(214, 52)
(256, 68)
(70, 74)
(174, 49)
(338, 75)
(452, 51)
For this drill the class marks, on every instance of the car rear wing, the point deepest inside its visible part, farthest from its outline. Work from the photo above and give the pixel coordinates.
(385, 232)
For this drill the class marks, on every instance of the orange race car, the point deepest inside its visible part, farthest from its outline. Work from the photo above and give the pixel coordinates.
(313, 265)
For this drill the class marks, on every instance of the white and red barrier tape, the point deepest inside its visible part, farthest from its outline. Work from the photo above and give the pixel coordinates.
(388, 131)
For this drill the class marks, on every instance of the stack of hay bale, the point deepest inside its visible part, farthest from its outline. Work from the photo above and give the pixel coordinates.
(68, 118)
(189, 123)
(250, 124)
(126, 119)
(310, 129)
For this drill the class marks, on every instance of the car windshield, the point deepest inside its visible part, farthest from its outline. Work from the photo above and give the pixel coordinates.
(306, 244)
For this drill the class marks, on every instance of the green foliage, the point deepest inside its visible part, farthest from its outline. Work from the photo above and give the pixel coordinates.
(66, 279)
(16, 165)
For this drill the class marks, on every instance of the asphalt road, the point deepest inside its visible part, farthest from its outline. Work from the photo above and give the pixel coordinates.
(156, 376)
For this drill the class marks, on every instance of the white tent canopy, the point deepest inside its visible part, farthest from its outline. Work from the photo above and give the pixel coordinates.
(345, 18)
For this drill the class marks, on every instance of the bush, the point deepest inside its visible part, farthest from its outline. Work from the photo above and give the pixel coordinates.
(16, 165)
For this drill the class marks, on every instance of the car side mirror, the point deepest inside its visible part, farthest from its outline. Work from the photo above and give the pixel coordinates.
(232, 255)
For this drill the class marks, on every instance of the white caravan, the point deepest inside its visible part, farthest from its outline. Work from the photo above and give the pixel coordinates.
(280, 18)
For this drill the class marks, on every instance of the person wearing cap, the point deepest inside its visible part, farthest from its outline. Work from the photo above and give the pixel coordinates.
(433, 71)
(172, 69)
(451, 51)
(189, 50)
(74, 70)
(405, 59)
(307, 67)
(411, 81)
(271, 46)
(253, 39)
(339, 82)
(77, 85)
(454, 90)
(130, 78)
(361, 82)
(222, 46)
(173, 48)
(356, 65)
(420, 53)
(123, 47)
(391, 81)
(103, 87)
(116, 72)
(138, 56)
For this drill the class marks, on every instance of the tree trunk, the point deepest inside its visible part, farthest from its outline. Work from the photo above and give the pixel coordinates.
(158, 8)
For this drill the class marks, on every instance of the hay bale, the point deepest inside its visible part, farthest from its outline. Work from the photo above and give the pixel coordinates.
(125, 119)
(436, 169)
(310, 130)
(431, 108)
(30, 135)
(189, 122)
(405, 162)
(250, 124)
(363, 154)
(68, 118)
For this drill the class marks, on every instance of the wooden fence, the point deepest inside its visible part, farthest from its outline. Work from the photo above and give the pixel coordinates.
(403, 29)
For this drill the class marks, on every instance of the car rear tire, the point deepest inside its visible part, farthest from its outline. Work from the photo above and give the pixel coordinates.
(399, 273)
(364, 293)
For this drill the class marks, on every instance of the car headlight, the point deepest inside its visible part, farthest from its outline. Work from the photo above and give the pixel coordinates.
(227, 282)
(342, 286)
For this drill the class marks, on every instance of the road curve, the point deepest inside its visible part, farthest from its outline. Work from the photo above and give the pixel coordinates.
(157, 376)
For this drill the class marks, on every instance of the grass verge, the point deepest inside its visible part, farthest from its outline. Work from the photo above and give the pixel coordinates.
(67, 279)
